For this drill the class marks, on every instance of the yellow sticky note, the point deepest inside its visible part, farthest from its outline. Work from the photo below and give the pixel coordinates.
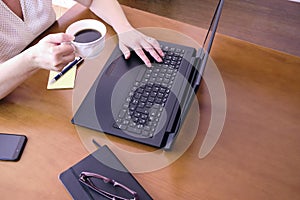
(67, 81)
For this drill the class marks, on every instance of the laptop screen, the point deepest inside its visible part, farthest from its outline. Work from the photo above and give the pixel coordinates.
(207, 44)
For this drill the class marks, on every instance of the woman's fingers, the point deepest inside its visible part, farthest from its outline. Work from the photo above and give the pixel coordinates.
(154, 43)
(138, 42)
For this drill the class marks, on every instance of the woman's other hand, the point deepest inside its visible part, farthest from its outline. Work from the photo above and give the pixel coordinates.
(53, 52)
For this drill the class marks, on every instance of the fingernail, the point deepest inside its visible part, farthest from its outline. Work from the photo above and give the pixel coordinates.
(148, 64)
(126, 55)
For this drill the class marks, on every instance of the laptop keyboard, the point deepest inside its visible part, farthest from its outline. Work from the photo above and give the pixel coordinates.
(143, 107)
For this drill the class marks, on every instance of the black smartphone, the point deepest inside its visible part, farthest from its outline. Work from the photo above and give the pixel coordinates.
(11, 146)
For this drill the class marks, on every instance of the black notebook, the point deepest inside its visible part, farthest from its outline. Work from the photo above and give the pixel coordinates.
(105, 163)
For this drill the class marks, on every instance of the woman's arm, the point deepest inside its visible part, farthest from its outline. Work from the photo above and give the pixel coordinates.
(50, 53)
(111, 12)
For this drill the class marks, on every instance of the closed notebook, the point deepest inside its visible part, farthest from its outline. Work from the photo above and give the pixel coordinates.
(105, 163)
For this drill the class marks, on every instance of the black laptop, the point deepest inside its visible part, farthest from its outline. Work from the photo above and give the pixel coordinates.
(146, 105)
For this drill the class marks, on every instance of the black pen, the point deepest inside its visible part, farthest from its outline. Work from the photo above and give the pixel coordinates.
(66, 69)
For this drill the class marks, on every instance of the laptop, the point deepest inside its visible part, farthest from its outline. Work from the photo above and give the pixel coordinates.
(146, 105)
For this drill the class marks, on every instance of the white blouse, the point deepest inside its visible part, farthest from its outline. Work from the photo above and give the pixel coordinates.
(16, 34)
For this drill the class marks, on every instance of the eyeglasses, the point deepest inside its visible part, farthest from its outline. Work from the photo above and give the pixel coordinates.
(89, 179)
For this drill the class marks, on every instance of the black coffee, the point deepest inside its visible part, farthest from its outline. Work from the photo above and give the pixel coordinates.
(87, 35)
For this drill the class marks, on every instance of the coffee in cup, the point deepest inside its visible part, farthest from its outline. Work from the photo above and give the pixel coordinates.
(89, 37)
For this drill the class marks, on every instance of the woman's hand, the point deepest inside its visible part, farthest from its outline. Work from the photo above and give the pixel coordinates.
(137, 41)
(53, 52)
(129, 38)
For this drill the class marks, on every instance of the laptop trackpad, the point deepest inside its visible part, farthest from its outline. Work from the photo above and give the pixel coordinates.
(120, 65)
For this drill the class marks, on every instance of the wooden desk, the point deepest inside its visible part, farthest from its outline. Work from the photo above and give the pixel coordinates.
(256, 157)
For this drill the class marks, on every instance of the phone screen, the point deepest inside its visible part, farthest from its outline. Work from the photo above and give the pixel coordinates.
(11, 146)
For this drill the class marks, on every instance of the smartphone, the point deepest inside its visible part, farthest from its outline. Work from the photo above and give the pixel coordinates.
(11, 146)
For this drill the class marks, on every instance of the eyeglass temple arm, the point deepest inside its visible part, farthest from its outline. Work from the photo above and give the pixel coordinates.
(115, 183)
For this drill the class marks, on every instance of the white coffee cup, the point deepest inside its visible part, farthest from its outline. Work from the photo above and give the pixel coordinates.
(89, 37)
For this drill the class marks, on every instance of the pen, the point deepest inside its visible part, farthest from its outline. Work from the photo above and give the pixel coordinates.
(66, 69)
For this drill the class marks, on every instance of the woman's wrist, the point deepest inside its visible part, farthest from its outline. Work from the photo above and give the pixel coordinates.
(123, 28)
(29, 59)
